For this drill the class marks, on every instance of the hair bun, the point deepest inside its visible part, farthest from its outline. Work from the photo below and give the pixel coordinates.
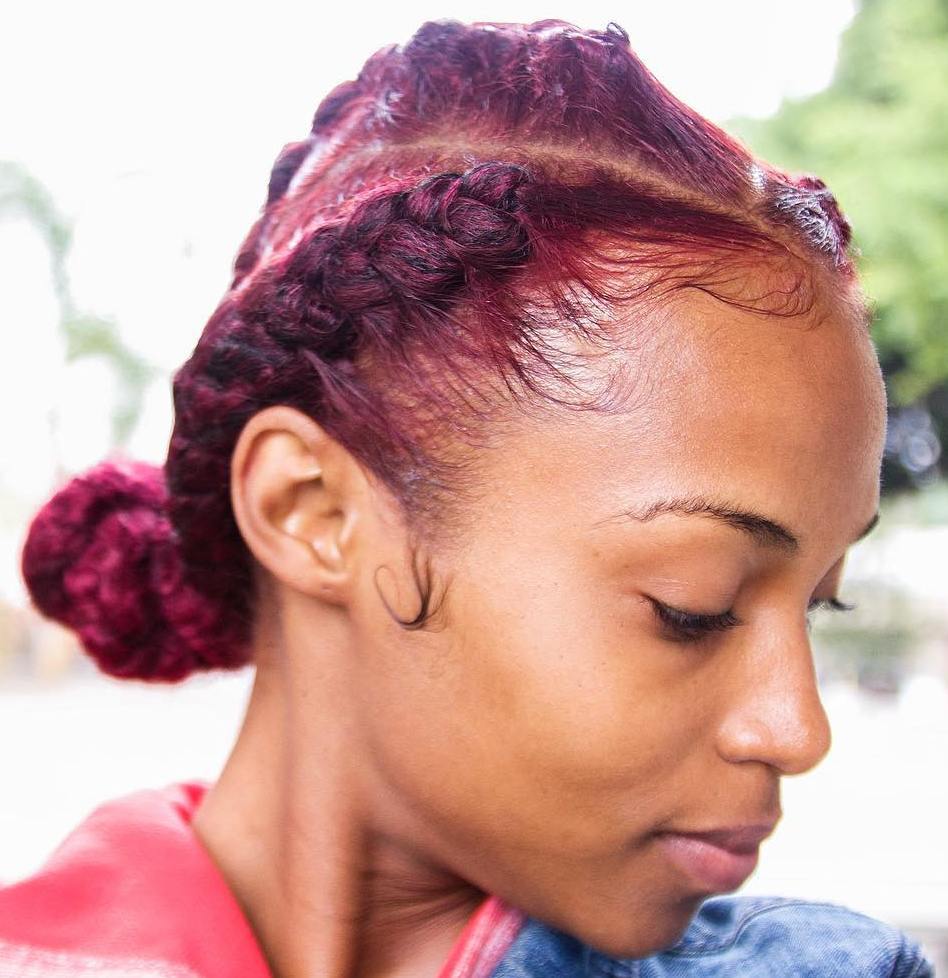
(102, 558)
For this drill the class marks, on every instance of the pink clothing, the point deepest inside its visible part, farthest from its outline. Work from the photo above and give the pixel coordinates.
(132, 892)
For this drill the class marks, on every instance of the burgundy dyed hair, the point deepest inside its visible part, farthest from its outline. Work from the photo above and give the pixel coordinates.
(471, 187)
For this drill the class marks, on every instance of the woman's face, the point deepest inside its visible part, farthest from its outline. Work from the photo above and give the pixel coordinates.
(556, 720)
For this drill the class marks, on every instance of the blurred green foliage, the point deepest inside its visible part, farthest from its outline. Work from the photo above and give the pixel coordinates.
(85, 334)
(878, 136)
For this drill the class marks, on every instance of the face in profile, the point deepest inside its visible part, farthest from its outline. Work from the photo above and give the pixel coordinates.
(623, 647)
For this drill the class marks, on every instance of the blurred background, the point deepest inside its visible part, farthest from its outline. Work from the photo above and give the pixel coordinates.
(135, 147)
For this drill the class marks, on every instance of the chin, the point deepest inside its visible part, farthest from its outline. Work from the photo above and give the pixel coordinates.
(643, 931)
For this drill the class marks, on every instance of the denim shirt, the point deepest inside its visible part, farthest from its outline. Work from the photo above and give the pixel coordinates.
(735, 937)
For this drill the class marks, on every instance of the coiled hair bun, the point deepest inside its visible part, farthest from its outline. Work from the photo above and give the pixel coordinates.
(102, 558)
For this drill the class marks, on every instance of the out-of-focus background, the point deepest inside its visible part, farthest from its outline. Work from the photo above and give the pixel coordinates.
(135, 147)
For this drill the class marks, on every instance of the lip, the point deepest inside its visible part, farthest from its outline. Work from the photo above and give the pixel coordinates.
(740, 839)
(718, 860)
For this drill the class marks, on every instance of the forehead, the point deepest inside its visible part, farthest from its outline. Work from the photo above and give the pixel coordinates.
(770, 400)
(782, 415)
(816, 369)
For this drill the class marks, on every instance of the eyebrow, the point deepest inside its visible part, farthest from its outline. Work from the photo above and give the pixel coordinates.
(761, 529)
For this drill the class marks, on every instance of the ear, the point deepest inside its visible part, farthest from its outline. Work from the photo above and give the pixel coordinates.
(298, 497)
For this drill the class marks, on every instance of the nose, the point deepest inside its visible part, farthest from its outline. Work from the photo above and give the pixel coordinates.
(775, 714)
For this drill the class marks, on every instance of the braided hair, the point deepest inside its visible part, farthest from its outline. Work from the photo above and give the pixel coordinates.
(467, 190)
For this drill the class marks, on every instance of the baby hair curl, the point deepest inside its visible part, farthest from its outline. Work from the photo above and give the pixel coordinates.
(468, 189)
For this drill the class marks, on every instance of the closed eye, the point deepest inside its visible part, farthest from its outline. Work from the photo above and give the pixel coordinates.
(831, 604)
(689, 626)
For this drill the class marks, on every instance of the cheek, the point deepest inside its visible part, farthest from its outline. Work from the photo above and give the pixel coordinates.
(572, 717)
(533, 744)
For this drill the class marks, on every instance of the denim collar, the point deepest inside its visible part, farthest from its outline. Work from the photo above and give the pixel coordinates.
(735, 937)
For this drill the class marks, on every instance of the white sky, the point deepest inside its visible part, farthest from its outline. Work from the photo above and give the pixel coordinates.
(154, 127)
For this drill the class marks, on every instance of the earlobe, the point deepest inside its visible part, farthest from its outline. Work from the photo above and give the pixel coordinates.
(295, 503)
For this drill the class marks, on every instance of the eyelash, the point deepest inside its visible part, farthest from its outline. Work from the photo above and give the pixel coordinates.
(687, 626)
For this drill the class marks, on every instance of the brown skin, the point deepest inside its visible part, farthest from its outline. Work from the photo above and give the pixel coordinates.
(534, 740)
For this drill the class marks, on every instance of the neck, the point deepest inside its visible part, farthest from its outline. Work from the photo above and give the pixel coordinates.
(330, 874)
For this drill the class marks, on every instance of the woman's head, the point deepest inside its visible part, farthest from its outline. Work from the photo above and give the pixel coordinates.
(520, 354)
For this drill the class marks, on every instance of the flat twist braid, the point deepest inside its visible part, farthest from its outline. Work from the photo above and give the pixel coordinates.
(353, 282)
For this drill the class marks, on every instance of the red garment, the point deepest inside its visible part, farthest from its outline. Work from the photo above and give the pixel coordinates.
(132, 892)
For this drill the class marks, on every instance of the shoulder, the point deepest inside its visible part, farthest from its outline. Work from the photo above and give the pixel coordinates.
(130, 891)
(750, 936)
(764, 935)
